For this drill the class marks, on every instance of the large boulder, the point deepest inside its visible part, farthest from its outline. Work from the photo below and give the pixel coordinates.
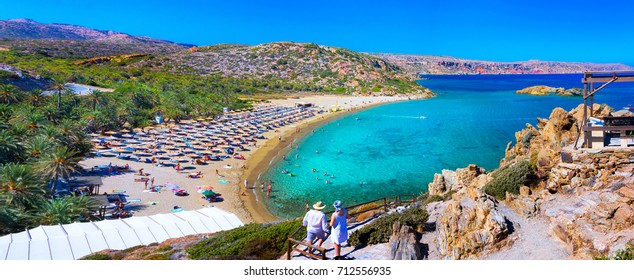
(404, 243)
(469, 225)
(450, 180)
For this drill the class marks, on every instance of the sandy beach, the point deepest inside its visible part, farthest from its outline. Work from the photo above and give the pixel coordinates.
(238, 199)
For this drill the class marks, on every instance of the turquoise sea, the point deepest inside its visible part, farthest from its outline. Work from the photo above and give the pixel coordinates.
(396, 148)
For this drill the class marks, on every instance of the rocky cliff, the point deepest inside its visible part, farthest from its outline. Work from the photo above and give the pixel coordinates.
(583, 198)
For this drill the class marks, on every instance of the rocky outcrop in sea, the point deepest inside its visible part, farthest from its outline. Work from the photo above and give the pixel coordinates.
(546, 90)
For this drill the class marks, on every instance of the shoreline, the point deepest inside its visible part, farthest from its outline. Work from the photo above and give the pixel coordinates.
(226, 177)
(259, 161)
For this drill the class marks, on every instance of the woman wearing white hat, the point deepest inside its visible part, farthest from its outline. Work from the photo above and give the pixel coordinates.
(316, 223)
(339, 226)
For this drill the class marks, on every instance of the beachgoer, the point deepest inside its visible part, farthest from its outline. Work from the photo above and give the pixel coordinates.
(316, 224)
(327, 181)
(339, 227)
(316, 151)
(314, 170)
(262, 187)
(217, 172)
(152, 180)
(360, 184)
(127, 166)
(141, 171)
(325, 174)
(296, 156)
(246, 183)
(145, 182)
(268, 191)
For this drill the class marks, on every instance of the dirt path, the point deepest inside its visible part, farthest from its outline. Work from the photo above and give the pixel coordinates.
(533, 240)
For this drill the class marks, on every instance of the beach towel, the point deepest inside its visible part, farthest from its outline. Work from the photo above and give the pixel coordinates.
(118, 191)
(177, 210)
(152, 203)
(134, 200)
(224, 182)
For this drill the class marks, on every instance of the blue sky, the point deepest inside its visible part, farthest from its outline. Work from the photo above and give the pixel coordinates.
(586, 31)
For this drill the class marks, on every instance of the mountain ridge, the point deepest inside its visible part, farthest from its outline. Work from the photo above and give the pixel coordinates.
(431, 64)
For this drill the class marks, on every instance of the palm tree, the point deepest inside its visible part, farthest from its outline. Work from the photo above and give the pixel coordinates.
(38, 146)
(9, 146)
(11, 219)
(52, 133)
(35, 97)
(59, 164)
(8, 93)
(97, 98)
(66, 210)
(59, 87)
(20, 187)
(6, 112)
(34, 121)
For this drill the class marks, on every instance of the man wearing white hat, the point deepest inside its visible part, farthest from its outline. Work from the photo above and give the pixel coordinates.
(316, 223)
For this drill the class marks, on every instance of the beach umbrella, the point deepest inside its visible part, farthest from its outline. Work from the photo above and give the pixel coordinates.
(93, 134)
(110, 132)
(124, 131)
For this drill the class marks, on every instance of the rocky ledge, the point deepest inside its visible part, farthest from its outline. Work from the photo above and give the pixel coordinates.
(546, 90)
(576, 204)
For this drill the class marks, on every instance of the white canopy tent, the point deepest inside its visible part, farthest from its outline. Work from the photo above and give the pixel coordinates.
(73, 241)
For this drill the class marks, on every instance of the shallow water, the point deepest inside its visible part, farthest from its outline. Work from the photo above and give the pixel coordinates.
(395, 149)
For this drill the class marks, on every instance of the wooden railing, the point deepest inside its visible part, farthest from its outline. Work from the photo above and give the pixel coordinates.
(383, 205)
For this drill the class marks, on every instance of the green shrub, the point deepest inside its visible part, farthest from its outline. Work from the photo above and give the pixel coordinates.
(160, 257)
(510, 179)
(624, 254)
(164, 248)
(131, 249)
(426, 198)
(380, 230)
(97, 257)
(252, 241)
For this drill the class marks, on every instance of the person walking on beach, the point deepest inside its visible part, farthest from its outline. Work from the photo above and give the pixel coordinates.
(339, 231)
(152, 181)
(145, 182)
(268, 191)
(316, 224)
(262, 187)
(246, 183)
